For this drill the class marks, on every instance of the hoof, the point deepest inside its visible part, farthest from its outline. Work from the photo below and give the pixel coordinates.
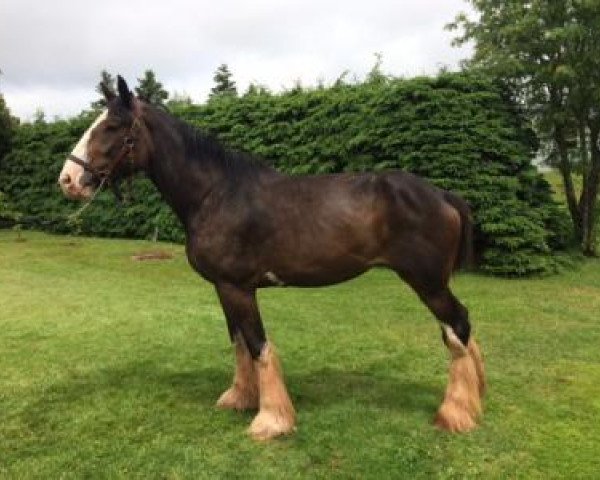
(267, 425)
(236, 399)
(454, 418)
(461, 407)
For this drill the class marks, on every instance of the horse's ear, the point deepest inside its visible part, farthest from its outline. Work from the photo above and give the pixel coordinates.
(124, 93)
(108, 93)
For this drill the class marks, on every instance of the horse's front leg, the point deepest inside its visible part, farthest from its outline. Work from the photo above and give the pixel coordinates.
(276, 415)
(243, 393)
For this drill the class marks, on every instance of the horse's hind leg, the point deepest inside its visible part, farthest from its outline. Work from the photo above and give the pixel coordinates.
(258, 361)
(461, 406)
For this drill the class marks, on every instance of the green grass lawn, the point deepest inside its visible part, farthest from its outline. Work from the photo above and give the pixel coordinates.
(110, 369)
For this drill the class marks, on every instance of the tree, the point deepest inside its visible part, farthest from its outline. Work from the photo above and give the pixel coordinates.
(39, 117)
(224, 85)
(150, 89)
(7, 127)
(376, 75)
(179, 100)
(7, 124)
(548, 53)
(9, 216)
(255, 89)
(107, 83)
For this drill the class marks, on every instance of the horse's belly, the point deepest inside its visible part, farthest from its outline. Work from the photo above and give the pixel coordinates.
(316, 279)
(303, 272)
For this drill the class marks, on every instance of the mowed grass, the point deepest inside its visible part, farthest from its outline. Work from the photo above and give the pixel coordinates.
(110, 369)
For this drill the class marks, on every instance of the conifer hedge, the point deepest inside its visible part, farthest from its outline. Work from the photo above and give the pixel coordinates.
(457, 129)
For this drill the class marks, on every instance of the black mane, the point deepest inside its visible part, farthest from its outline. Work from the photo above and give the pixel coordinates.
(204, 147)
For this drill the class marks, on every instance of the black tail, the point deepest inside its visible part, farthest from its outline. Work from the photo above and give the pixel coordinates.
(465, 259)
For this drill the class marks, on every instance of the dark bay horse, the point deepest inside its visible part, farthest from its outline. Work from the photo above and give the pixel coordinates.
(248, 226)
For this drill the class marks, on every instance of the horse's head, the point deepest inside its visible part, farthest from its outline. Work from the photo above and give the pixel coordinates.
(113, 147)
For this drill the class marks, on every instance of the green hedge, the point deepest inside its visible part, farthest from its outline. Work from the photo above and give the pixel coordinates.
(29, 174)
(458, 130)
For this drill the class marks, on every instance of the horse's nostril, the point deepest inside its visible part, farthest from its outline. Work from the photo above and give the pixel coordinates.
(65, 179)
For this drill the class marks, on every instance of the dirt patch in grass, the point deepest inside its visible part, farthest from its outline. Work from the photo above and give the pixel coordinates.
(71, 244)
(153, 255)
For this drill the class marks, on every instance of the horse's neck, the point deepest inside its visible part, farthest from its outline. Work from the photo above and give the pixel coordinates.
(183, 182)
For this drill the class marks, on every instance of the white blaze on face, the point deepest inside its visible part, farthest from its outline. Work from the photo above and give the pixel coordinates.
(71, 172)
(80, 150)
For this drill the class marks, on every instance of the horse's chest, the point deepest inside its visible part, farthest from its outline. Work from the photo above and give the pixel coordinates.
(221, 257)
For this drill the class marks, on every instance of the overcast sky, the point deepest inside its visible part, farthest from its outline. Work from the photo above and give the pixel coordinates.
(52, 52)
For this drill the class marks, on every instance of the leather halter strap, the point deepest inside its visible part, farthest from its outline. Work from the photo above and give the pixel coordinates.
(126, 152)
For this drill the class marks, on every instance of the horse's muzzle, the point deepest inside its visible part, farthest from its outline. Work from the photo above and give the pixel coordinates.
(87, 179)
(74, 189)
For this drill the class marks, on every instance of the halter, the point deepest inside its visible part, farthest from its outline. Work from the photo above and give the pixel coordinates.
(103, 175)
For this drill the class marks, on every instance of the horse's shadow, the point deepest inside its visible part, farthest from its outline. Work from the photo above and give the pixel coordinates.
(312, 390)
(318, 388)
(331, 386)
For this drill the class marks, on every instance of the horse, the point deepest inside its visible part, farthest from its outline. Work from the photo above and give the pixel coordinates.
(249, 226)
